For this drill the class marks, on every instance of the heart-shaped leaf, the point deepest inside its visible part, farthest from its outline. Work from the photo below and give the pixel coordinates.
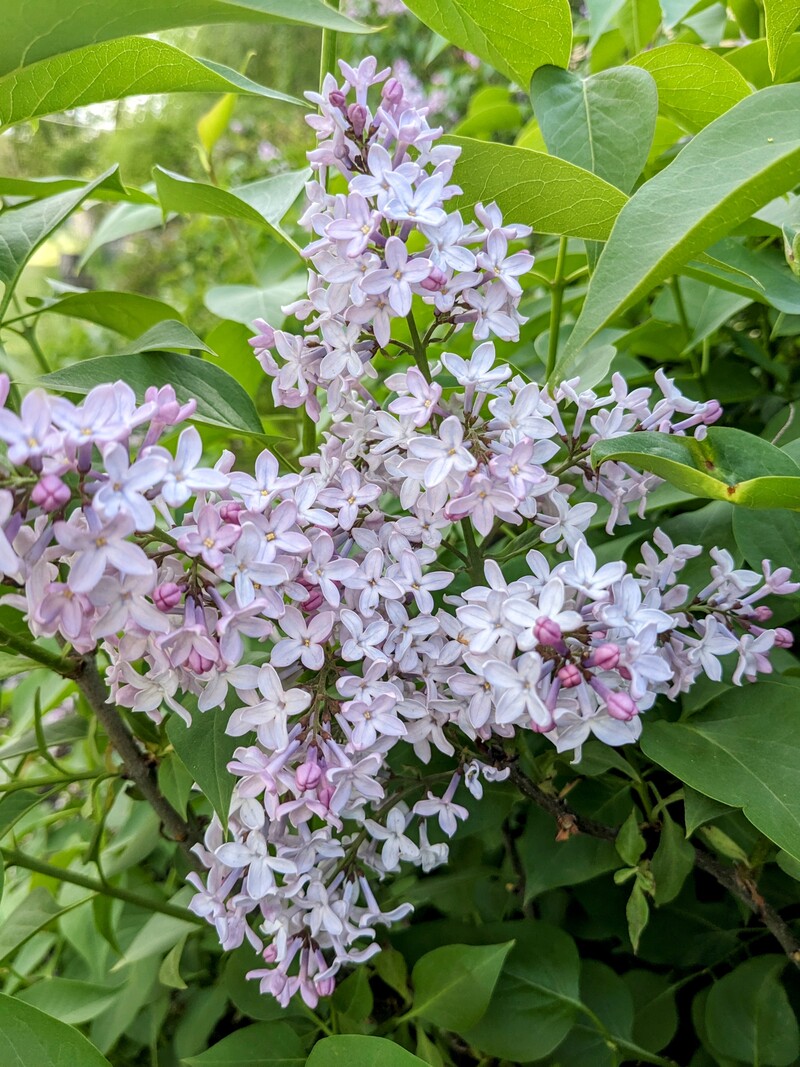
(603, 123)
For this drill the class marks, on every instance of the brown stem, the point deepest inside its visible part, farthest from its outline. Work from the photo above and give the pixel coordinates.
(736, 880)
(138, 767)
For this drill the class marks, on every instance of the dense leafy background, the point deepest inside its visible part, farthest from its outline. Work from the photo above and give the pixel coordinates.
(655, 149)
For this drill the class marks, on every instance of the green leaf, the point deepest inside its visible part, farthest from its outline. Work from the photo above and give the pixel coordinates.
(246, 303)
(549, 864)
(629, 842)
(515, 36)
(169, 973)
(604, 123)
(131, 66)
(728, 464)
(540, 190)
(672, 862)
(536, 999)
(453, 984)
(781, 18)
(30, 916)
(30, 1038)
(13, 806)
(159, 933)
(742, 160)
(391, 968)
(356, 1051)
(122, 221)
(69, 1000)
(748, 1016)
(768, 534)
(353, 997)
(259, 1045)
(175, 782)
(206, 750)
(743, 750)
(165, 336)
(604, 993)
(126, 313)
(110, 188)
(49, 26)
(699, 809)
(212, 125)
(263, 203)
(24, 229)
(221, 401)
(656, 1018)
(61, 732)
(695, 85)
(637, 912)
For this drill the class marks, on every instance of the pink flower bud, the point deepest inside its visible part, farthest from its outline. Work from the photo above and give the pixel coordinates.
(762, 613)
(314, 600)
(198, 663)
(357, 114)
(712, 412)
(435, 282)
(230, 510)
(338, 100)
(621, 706)
(167, 596)
(50, 493)
(325, 986)
(325, 795)
(569, 676)
(783, 638)
(265, 337)
(392, 92)
(605, 657)
(546, 631)
(308, 774)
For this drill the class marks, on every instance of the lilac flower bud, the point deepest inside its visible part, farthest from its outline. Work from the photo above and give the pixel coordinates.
(169, 411)
(762, 613)
(547, 632)
(315, 598)
(265, 337)
(50, 493)
(435, 282)
(392, 92)
(338, 100)
(357, 115)
(198, 663)
(308, 774)
(570, 676)
(783, 637)
(620, 706)
(167, 596)
(605, 657)
(230, 510)
(325, 986)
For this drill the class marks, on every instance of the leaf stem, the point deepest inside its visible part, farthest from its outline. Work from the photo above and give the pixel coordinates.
(556, 301)
(13, 858)
(473, 552)
(62, 665)
(418, 349)
(64, 779)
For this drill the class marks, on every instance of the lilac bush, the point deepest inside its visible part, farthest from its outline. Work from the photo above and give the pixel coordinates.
(319, 609)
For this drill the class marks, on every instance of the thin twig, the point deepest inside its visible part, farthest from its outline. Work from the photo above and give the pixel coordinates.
(138, 767)
(736, 879)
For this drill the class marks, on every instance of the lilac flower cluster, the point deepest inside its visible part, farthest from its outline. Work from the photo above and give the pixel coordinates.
(365, 267)
(311, 605)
